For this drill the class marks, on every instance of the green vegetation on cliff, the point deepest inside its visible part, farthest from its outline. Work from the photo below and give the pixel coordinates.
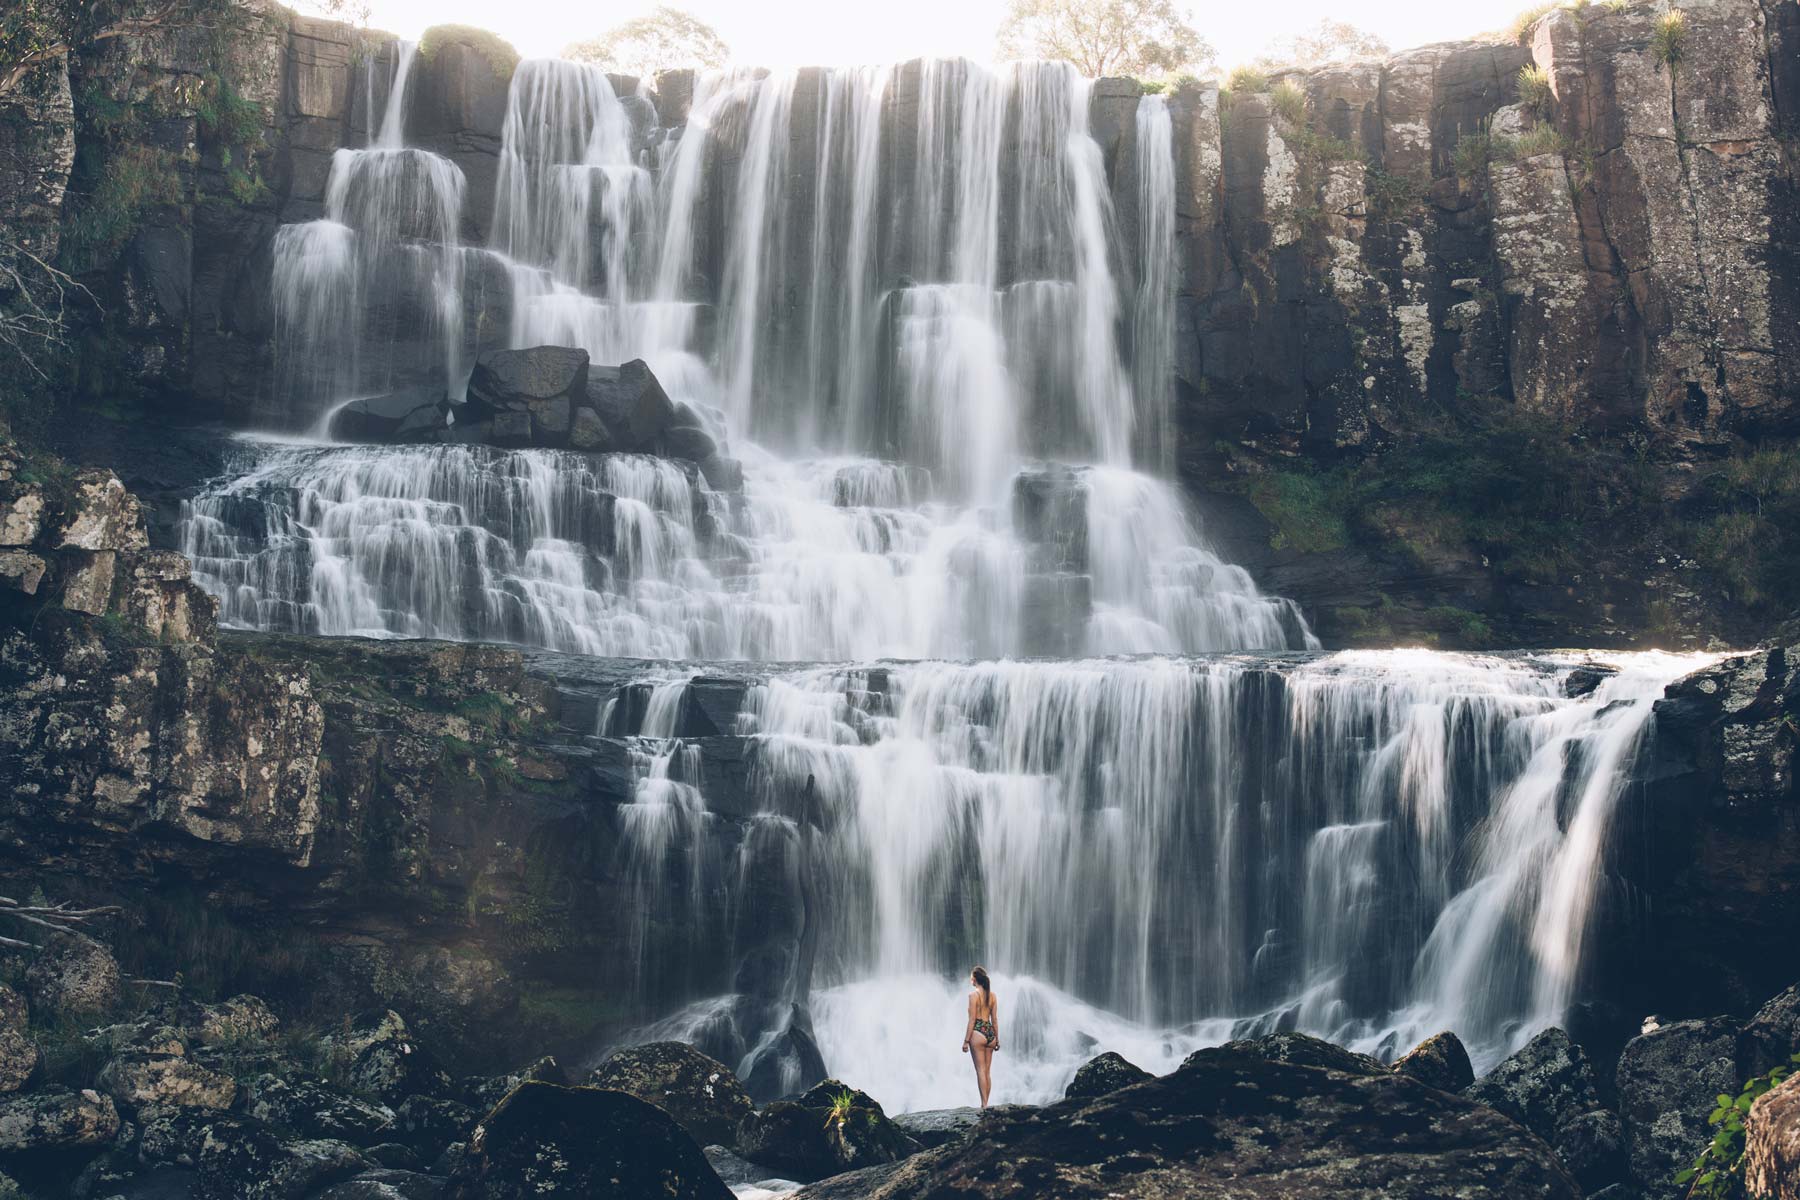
(1537, 502)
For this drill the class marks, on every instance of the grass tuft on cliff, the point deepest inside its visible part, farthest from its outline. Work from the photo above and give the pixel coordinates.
(1534, 89)
(1244, 80)
(1669, 38)
(499, 54)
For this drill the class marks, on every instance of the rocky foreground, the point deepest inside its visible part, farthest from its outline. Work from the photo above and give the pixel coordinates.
(113, 1089)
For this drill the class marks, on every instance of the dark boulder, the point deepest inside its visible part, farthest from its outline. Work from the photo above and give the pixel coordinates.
(631, 403)
(1584, 679)
(1231, 1122)
(526, 397)
(1592, 1146)
(1668, 1078)
(386, 1061)
(830, 1129)
(1107, 1073)
(56, 1119)
(1541, 1085)
(486, 1091)
(1772, 1036)
(1440, 1062)
(581, 1142)
(314, 1110)
(74, 976)
(689, 442)
(385, 1183)
(427, 1125)
(407, 416)
(701, 1093)
(934, 1127)
(1304, 1050)
(242, 1159)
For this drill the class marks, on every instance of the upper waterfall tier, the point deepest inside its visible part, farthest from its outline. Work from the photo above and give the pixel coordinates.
(900, 295)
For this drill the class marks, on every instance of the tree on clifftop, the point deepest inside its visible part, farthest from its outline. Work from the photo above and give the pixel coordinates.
(1105, 37)
(666, 38)
(1327, 42)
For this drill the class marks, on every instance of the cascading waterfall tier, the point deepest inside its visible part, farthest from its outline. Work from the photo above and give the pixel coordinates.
(905, 344)
(1150, 855)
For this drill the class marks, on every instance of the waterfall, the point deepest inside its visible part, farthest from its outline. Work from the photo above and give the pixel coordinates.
(1384, 856)
(1153, 306)
(1060, 733)
(369, 298)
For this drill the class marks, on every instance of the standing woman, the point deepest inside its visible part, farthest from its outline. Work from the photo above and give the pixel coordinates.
(982, 1037)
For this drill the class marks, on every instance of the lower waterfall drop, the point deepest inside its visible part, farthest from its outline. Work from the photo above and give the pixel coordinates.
(1155, 855)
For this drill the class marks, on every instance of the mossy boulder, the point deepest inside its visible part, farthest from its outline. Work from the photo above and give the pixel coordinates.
(1102, 1074)
(1440, 1061)
(700, 1092)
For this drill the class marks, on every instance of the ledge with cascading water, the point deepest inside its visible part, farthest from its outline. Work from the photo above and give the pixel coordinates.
(1075, 744)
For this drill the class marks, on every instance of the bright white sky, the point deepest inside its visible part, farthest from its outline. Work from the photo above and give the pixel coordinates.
(788, 33)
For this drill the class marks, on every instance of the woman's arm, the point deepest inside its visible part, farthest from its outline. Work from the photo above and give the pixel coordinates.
(994, 1008)
(969, 1029)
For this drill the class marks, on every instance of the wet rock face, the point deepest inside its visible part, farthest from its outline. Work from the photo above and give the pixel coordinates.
(1709, 829)
(550, 1140)
(830, 1129)
(1440, 1061)
(1667, 1082)
(1232, 1122)
(701, 1093)
(1107, 1073)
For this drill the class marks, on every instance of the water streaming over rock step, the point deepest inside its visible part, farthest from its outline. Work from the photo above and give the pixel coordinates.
(901, 297)
(1151, 854)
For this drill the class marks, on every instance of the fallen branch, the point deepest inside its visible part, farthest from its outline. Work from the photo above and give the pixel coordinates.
(58, 918)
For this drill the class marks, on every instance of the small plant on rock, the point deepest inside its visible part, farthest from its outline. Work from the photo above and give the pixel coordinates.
(1289, 101)
(1669, 40)
(1534, 89)
(1718, 1174)
(838, 1115)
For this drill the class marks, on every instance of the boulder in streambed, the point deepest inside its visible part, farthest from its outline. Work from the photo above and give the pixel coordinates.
(413, 415)
(701, 1093)
(548, 1140)
(830, 1129)
(1102, 1074)
(1440, 1061)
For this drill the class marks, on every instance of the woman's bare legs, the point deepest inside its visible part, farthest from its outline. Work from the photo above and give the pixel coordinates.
(983, 1055)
